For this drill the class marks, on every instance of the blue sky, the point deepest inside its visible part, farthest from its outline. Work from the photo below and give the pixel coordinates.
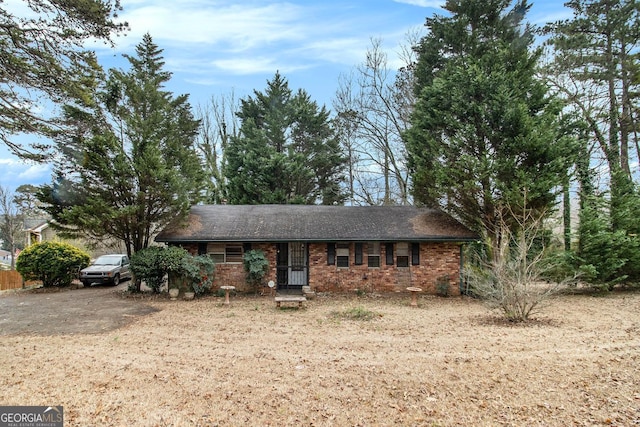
(214, 47)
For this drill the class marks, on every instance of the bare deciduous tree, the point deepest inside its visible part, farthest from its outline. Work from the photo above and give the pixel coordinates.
(516, 281)
(373, 104)
(219, 123)
(11, 225)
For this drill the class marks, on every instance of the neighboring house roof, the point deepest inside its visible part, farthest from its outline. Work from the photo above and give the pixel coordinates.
(272, 223)
(39, 228)
(36, 225)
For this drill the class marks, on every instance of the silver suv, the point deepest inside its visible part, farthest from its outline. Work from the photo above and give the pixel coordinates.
(107, 269)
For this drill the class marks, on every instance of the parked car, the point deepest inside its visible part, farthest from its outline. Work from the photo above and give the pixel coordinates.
(107, 269)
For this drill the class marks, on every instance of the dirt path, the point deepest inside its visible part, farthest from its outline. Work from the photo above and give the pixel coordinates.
(68, 311)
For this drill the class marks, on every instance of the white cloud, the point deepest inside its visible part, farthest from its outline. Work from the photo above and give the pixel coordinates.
(15, 172)
(244, 65)
(8, 162)
(337, 50)
(35, 172)
(228, 25)
(19, 8)
(423, 3)
(279, 35)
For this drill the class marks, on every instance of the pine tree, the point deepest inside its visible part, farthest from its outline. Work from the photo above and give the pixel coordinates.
(131, 166)
(41, 60)
(484, 130)
(596, 68)
(286, 151)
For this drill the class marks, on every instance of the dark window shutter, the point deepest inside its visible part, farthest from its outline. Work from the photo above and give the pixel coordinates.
(202, 248)
(389, 251)
(246, 247)
(358, 254)
(331, 253)
(415, 254)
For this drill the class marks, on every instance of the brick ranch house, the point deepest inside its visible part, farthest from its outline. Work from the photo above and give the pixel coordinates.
(329, 248)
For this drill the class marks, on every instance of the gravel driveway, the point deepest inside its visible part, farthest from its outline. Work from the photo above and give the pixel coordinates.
(68, 311)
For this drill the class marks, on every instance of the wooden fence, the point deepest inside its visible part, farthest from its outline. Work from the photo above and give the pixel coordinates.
(11, 279)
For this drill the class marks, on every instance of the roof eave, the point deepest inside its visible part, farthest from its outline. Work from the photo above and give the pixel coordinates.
(322, 240)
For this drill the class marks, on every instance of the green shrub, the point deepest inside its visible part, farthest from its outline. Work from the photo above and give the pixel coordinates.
(609, 248)
(147, 265)
(155, 264)
(256, 266)
(53, 263)
(198, 271)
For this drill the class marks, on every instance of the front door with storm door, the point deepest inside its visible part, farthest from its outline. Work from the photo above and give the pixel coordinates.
(292, 270)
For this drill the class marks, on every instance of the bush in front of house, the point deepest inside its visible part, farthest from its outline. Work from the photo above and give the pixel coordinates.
(255, 265)
(198, 271)
(146, 265)
(155, 264)
(52, 263)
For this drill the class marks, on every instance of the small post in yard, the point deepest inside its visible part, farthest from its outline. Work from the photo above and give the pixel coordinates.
(414, 295)
(226, 293)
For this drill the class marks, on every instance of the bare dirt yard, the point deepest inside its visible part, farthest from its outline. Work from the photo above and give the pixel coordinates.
(448, 362)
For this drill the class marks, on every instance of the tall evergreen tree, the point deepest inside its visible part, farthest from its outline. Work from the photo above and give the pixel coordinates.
(484, 132)
(596, 67)
(131, 166)
(40, 59)
(286, 151)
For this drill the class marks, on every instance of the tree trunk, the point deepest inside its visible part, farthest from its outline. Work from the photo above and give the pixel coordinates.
(13, 255)
(567, 216)
(387, 187)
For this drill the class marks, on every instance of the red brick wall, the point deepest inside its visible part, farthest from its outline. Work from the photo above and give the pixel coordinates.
(436, 260)
(234, 274)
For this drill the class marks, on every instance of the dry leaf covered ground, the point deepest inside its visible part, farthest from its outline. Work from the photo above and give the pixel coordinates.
(446, 363)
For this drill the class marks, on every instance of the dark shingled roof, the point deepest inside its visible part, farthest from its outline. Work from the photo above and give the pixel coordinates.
(273, 223)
